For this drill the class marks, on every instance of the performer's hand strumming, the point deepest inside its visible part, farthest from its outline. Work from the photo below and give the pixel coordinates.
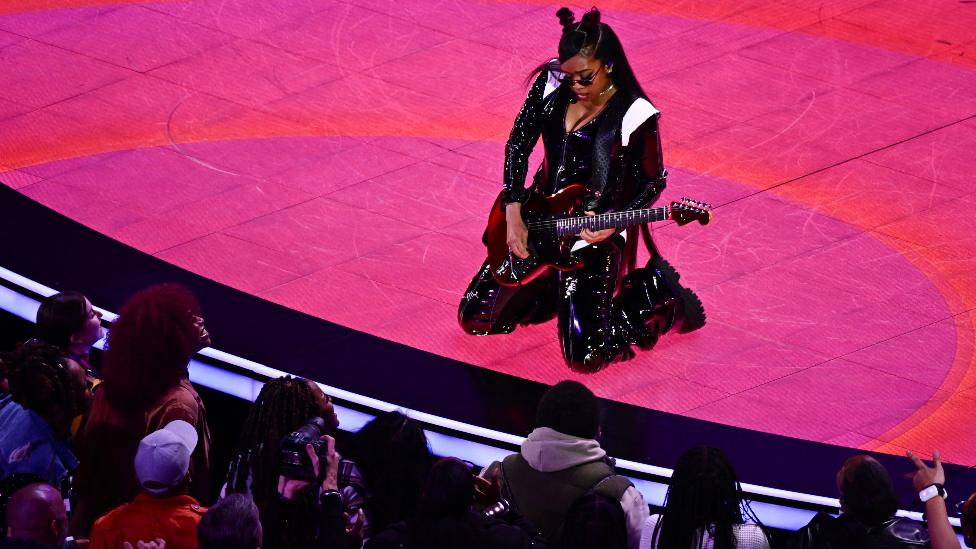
(518, 235)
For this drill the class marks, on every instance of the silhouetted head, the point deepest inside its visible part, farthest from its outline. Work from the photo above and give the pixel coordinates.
(150, 344)
(392, 454)
(36, 513)
(703, 493)
(570, 408)
(449, 490)
(866, 490)
(594, 521)
(232, 523)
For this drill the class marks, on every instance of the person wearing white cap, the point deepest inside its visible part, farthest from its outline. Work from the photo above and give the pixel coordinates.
(163, 510)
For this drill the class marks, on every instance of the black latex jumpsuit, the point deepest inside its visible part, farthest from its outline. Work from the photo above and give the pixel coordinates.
(594, 328)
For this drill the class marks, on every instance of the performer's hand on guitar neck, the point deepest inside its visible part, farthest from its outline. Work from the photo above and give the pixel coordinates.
(518, 234)
(592, 237)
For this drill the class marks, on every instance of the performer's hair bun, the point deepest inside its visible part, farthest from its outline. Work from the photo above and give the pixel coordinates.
(591, 19)
(566, 17)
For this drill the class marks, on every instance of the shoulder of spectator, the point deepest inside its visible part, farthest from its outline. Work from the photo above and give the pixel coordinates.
(104, 533)
(178, 408)
(196, 508)
(752, 536)
(99, 539)
(68, 362)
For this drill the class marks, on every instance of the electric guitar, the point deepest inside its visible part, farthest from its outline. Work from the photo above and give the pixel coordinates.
(553, 223)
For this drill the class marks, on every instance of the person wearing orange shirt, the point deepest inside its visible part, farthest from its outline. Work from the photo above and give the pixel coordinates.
(163, 509)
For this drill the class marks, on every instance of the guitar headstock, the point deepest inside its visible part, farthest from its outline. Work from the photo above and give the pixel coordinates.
(686, 210)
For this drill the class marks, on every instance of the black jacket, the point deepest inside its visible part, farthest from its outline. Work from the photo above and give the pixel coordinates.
(621, 177)
(846, 532)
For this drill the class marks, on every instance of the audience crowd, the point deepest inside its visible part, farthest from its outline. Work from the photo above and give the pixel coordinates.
(119, 457)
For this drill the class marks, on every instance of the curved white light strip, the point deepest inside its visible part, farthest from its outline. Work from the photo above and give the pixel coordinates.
(773, 515)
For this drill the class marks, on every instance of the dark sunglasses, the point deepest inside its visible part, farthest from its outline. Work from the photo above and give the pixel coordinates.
(586, 81)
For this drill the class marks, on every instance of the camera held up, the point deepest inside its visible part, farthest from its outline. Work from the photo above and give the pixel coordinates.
(295, 463)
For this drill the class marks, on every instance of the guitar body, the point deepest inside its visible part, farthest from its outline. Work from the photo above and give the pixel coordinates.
(546, 248)
(553, 223)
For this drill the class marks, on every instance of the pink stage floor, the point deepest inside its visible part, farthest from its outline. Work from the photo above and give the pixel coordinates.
(339, 158)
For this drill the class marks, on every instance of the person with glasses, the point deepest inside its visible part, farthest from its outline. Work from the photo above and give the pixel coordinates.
(598, 129)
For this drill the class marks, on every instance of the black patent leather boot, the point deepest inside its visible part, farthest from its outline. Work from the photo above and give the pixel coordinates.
(589, 337)
(651, 303)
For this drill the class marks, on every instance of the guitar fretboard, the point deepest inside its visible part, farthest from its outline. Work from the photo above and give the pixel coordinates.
(574, 225)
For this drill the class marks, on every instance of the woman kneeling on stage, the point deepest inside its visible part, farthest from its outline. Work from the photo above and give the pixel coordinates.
(599, 130)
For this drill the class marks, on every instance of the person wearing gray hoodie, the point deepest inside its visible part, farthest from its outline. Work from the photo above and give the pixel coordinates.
(560, 461)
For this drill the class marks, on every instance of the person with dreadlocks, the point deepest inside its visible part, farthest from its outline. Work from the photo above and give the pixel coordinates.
(283, 405)
(598, 129)
(703, 508)
(46, 393)
(145, 386)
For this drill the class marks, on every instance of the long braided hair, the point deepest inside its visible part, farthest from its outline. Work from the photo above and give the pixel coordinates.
(704, 495)
(40, 380)
(283, 405)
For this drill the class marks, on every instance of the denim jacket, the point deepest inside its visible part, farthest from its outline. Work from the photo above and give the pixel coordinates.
(28, 445)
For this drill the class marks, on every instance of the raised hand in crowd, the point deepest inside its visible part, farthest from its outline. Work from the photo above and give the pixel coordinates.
(929, 482)
(926, 476)
(487, 491)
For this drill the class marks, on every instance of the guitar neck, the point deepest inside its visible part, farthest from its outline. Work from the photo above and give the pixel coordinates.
(614, 220)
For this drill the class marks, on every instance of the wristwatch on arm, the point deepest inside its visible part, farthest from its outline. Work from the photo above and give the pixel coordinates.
(932, 491)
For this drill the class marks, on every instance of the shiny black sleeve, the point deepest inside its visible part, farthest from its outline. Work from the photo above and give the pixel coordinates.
(525, 134)
(646, 162)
